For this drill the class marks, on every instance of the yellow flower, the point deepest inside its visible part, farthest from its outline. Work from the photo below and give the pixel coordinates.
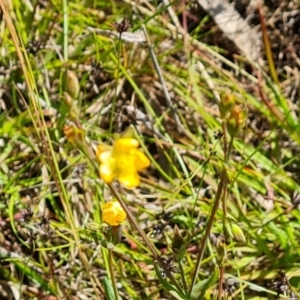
(113, 214)
(122, 161)
(75, 136)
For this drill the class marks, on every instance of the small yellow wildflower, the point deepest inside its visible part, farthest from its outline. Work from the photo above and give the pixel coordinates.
(74, 135)
(122, 161)
(113, 214)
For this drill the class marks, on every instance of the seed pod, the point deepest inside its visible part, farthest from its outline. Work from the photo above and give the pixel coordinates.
(178, 240)
(226, 104)
(236, 120)
(68, 100)
(73, 109)
(222, 253)
(116, 234)
(72, 85)
(238, 234)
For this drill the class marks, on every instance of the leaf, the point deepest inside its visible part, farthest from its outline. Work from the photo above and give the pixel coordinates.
(109, 291)
(27, 267)
(170, 287)
(201, 287)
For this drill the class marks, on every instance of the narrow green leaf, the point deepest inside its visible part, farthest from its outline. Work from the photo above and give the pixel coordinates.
(170, 288)
(201, 287)
(109, 291)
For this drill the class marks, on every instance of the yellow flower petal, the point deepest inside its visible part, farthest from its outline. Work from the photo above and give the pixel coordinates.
(106, 157)
(129, 178)
(102, 148)
(123, 145)
(113, 214)
(107, 172)
(122, 161)
(141, 161)
(120, 216)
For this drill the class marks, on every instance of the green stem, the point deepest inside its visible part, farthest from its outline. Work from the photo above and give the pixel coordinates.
(112, 274)
(229, 149)
(221, 186)
(182, 276)
(116, 88)
(220, 197)
(65, 29)
(220, 283)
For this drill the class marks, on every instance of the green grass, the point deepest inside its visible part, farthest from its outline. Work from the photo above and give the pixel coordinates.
(214, 217)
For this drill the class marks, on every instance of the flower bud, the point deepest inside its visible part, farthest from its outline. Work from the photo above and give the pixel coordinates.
(238, 234)
(113, 235)
(73, 110)
(222, 253)
(226, 104)
(75, 136)
(178, 241)
(72, 85)
(113, 214)
(236, 120)
(68, 100)
(116, 234)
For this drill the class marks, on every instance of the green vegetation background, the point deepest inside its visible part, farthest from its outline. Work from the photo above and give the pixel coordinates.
(220, 207)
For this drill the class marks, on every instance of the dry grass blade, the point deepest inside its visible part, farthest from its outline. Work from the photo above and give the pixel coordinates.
(234, 27)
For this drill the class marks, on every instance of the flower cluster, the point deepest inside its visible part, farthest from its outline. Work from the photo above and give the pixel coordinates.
(234, 115)
(122, 161)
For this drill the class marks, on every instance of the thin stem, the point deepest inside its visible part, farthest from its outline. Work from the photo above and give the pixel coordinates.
(224, 139)
(116, 87)
(65, 29)
(229, 149)
(222, 268)
(221, 186)
(112, 274)
(182, 276)
(220, 282)
(221, 195)
(162, 81)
